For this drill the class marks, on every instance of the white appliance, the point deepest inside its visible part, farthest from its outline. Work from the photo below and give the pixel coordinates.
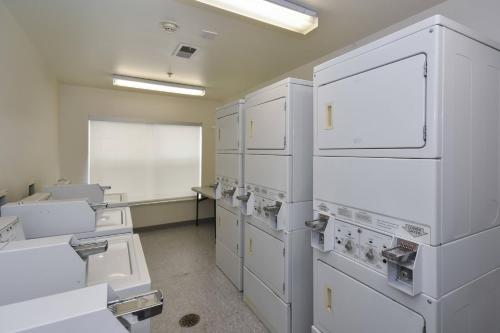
(45, 266)
(406, 184)
(89, 309)
(3, 197)
(277, 201)
(43, 218)
(94, 193)
(229, 176)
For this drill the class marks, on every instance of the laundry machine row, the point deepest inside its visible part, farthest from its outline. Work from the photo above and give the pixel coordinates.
(275, 201)
(229, 177)
(48, 266)
(55, 246)
(406, 184)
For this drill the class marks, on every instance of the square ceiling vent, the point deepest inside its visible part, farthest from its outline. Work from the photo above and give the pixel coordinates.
(185, 51)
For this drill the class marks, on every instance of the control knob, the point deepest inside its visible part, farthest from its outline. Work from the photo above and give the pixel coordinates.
(348, 245)
(369, 254)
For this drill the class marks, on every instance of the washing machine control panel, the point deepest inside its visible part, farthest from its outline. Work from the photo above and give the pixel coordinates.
(361, 244)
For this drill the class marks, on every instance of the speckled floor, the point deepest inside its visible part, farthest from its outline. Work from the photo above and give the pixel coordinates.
(181, 262)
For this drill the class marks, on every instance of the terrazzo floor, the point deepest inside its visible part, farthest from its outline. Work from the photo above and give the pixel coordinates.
(181, 262)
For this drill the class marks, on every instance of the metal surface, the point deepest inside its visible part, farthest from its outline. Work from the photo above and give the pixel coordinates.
(317, 225)
(244, 198)
(85, 250)
(273, 209)
(400, 254)
(142, 306)
(189, 320)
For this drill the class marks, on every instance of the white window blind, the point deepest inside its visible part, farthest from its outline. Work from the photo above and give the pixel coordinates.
(146, 161)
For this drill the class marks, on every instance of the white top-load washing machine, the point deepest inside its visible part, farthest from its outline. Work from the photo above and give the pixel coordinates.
(42, 217)
(88, 309)
(406, 184)
(277, 201)
(49, 265)
(229, 176)
(63, 189)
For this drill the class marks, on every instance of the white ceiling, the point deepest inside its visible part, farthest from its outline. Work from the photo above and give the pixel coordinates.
(85, 41)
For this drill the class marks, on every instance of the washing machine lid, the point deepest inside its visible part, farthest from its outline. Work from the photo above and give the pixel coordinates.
(110, 221)
(123, 266)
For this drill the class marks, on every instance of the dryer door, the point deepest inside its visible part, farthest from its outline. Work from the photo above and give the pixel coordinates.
(264, 258)
(380, 108)
(228, 229)
(228, 132)
(346, 305)
(266, 126)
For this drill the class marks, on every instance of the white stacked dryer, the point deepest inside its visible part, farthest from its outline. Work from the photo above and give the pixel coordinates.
(229, 176)
(276, 202)
(407, 184)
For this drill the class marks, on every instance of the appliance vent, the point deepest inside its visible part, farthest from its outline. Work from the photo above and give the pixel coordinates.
(185, 51)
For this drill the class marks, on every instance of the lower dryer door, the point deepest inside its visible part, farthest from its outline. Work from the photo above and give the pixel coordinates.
(342, 304)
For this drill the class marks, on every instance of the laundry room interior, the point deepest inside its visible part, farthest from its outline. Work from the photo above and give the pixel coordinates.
(282, 166)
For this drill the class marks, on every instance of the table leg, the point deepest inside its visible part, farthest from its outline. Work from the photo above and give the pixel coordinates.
(215, 218)
(197, 203)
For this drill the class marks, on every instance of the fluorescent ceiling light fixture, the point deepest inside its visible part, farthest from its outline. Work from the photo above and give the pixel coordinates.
(168, 87)
(276, 12)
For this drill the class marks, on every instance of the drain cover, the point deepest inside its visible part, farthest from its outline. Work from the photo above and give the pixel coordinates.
(189, 320)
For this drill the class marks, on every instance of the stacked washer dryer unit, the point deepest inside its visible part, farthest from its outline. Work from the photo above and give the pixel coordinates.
(406, 184)
(229, 176)
(277, 201)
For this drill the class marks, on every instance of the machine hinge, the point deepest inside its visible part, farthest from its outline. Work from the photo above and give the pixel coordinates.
(425, 133)
(284, 141)
(285, 106)
(237, 222)
(283, 287)
(237, 247)
(283, 252)
(238, 143)
(425, 69)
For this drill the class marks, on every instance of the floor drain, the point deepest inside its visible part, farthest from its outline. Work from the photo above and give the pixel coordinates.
(189, 320)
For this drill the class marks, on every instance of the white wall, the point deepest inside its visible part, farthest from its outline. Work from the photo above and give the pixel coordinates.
(480, 15)
(78, 104)
(28, 113)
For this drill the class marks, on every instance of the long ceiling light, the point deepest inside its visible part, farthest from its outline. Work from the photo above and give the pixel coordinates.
(276, 12)
(168, 87)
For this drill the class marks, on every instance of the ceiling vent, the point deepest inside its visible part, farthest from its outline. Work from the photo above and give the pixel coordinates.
(185, 51)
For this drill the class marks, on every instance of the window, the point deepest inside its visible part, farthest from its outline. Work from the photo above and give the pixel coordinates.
(146, 161)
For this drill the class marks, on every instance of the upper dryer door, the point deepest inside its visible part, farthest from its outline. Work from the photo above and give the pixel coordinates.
(266, 125)
(228, 133)
(383, 107)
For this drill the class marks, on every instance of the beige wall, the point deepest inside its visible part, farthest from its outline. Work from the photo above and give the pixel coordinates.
(480, 15)
(28, 113)
(78, 104)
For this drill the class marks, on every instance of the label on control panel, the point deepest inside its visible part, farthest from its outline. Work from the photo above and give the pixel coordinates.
(409, 230)
(267, 192)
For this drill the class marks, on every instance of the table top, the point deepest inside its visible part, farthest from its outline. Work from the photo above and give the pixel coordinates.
(206, 191)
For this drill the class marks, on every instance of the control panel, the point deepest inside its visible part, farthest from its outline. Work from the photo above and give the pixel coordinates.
(269, 211)
(10, 230)
(267, 192)
(358, 243)
(228, 189)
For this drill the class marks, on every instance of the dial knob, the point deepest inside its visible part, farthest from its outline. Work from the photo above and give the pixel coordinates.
(348, 245)
(369, 254)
